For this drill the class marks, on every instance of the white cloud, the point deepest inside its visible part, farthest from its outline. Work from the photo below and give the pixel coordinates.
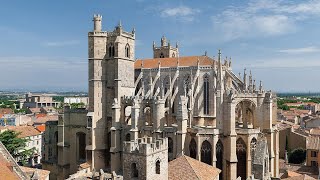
(288, 62)
(263, 18)
(62, 43)
(310, 49)
(184, 13)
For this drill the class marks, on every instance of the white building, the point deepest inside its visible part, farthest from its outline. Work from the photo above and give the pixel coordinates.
(35, 141)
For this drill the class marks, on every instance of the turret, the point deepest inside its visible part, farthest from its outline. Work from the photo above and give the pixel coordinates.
(97, 18)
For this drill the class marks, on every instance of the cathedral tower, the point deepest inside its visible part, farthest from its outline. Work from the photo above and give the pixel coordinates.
(111, 76)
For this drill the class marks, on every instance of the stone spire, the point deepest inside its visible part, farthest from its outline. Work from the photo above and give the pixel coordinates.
(260, 86)
(250, 81)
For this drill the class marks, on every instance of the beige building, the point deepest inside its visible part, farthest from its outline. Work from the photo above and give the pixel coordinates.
(39, 100)
(144, 113)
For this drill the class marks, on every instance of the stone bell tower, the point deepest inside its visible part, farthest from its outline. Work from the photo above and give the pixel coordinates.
(111, 76)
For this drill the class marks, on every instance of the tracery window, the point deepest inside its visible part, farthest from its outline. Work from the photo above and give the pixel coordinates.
(161, 55)
(206, 95)
(206, 150)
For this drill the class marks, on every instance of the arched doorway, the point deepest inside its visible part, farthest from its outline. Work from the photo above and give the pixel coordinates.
(193, 149)
(81, 146)
(206, 152)
(242, 159)
(219, 156)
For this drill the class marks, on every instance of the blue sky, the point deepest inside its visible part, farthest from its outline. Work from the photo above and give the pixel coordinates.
(43, 44)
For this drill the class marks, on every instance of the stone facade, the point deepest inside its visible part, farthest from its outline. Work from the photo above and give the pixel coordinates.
(196, 103)
(145, 159)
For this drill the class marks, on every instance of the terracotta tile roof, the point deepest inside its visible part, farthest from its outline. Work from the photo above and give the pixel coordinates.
(172, 62)
(5, 170)
(26, 131)
(6, 111)
(35, 110)
(43, 174)
(41, 127)
(44, 119)
(186, 167)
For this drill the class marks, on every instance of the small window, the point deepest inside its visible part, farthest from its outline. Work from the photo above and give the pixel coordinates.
(127, 51)
(134, 171)
(313, 153)
(89, 122)
(161, 55)
(173, 55)
(158, 167)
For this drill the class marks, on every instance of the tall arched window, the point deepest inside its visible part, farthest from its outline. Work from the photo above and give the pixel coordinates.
(242, 159)
(173, 55)
(81, 146)
(193, 149)
(158, 167)
(219, 156)
(206, 95)
(127, 51)
(134, 171)
(111, 50)
(206, 150)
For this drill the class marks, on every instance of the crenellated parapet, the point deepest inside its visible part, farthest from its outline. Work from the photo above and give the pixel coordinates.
(145, 146)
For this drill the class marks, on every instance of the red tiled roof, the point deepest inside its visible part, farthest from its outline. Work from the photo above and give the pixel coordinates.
(41, 127)
(6, 111)
(25, 131)
(172, 62)
(43, 174)
(185, 167)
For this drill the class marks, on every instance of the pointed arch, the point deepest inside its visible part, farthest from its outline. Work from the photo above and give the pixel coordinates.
(219, 157)
(81, 146)
(193, 148)
(206, 94)
(206, 152)
(242, 158)
(158, 167)
(134, 171)
(161, 55)
(127, 50)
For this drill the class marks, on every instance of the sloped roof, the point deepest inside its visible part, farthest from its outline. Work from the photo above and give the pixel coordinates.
(172, 62)
(9, 169)
(26, 131)
(185, 167)
(300, 177)
(6, 111)
(33, 172)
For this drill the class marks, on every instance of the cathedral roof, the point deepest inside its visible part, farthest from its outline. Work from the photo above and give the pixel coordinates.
(186, 167)
(173, 62)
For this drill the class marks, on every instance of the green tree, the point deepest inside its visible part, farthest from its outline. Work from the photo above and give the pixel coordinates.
(297, 156)
(16, 146)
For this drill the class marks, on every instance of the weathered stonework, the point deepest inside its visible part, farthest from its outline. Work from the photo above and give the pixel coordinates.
(194, 105)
